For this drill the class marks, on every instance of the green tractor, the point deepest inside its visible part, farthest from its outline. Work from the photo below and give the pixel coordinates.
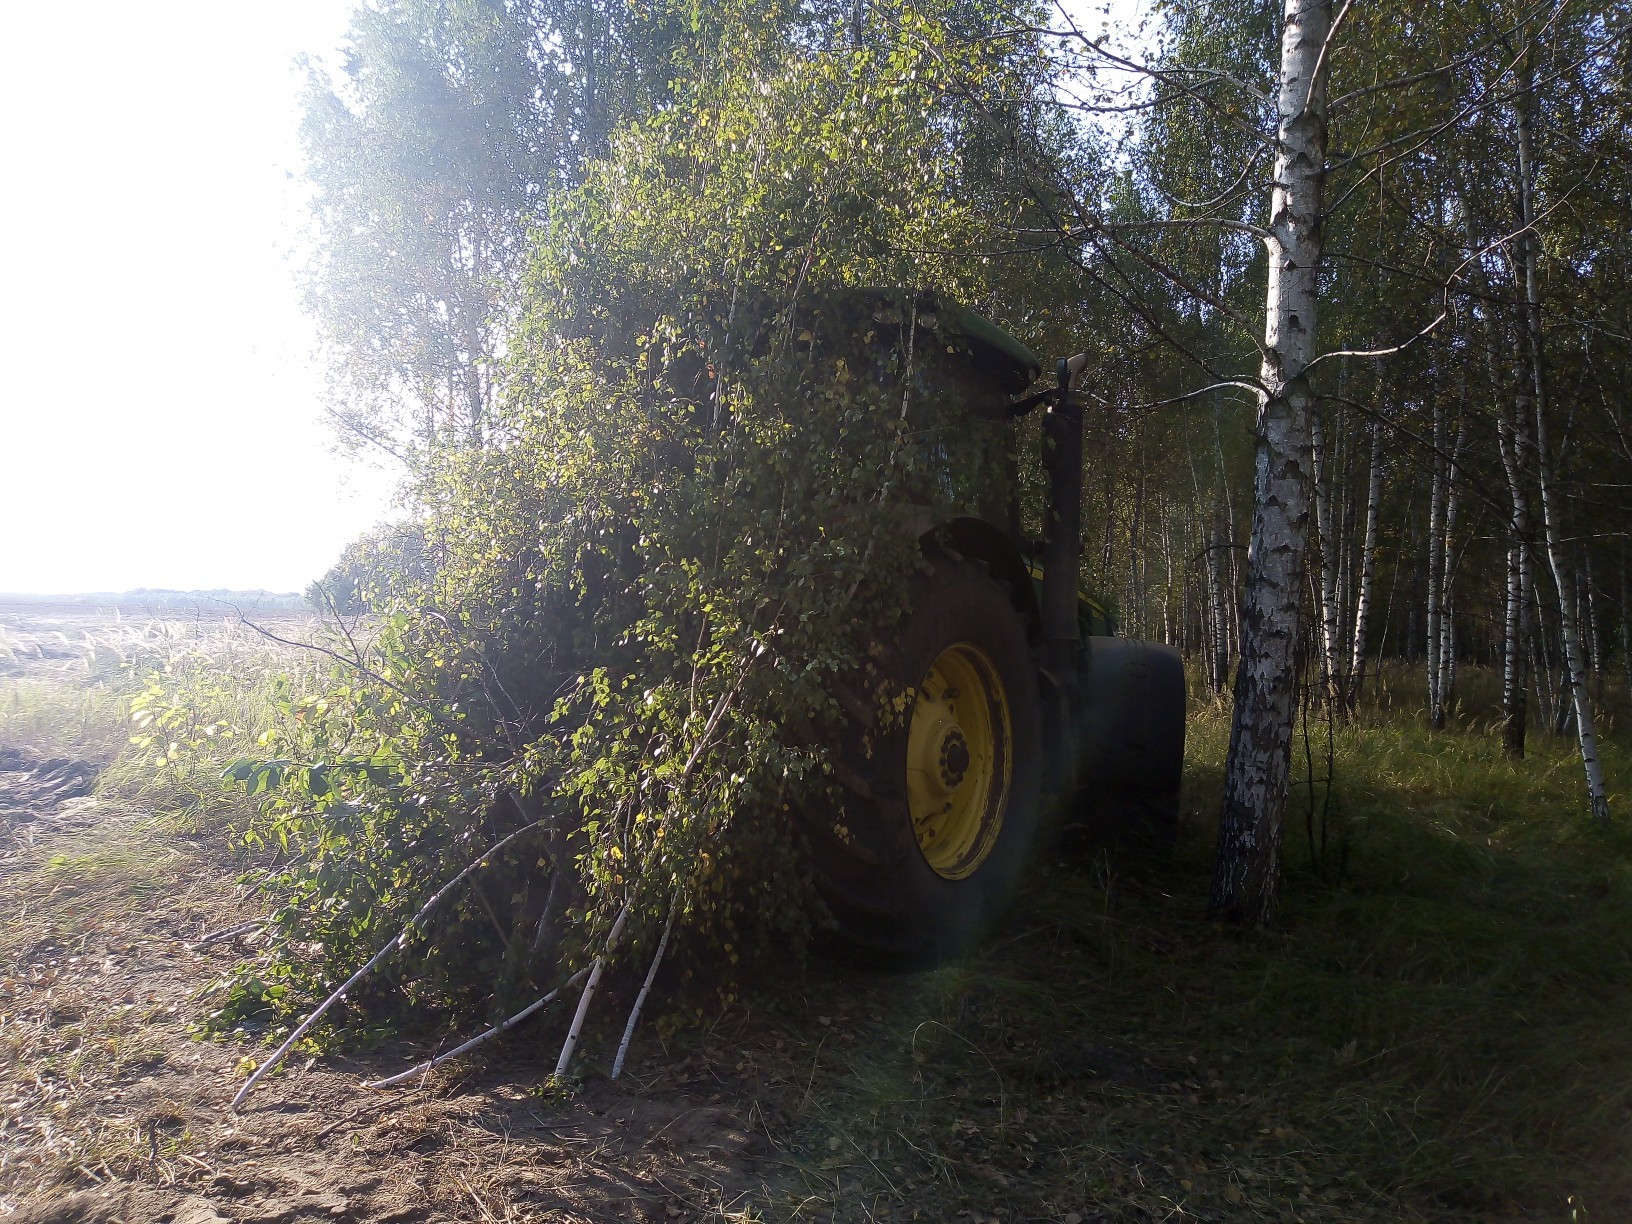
(1004, 708)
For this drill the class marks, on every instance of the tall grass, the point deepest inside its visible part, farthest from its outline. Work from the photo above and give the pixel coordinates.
(1435, 1029)
(49, 719)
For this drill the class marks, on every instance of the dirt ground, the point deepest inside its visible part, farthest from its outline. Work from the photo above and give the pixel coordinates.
(112, 1110)
(829, 1093)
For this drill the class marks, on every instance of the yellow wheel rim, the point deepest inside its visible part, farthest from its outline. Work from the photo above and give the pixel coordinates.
(959, 758)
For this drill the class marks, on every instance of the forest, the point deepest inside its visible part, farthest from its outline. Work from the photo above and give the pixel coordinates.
(1349, 282)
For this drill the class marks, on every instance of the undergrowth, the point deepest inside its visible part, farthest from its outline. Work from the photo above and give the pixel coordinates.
(1437, 1032)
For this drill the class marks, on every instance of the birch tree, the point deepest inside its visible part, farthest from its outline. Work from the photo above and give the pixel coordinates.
(1368, 570)
(1247, 873)
(1575, 675)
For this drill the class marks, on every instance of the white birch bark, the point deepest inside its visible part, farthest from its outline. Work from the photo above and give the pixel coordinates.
(1172, 615)
(1327, 536)
(1574, 673)
(1447, 580)
(1215, 637)
(1626, 623)
(1231, 575)
(1345, 560)
(1595, 631)
(1436, 572)
(1222, 605)
(1368, 566)
(1247, 875)
(1514, 439)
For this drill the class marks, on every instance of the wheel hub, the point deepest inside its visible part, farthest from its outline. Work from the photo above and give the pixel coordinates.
(958, 760)
(954, 758)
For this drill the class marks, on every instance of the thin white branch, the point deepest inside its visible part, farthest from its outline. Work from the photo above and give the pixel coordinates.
(1325, 49)
(243, 928)
(1166, 76)
(570, 1045)
(395, 942)
(1445, 312)
(1383, 352)
(1448, 69)
(432, 1063)
(1223, 223)
(1257, 392)
(645, 989)
(1227, 192)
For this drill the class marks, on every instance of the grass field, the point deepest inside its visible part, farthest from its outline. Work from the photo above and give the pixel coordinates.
(1436, 1029)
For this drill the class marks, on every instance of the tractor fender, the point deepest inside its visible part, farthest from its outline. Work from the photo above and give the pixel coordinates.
(1129, 721)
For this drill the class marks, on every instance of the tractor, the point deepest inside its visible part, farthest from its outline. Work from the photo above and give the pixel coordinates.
(1017, 710)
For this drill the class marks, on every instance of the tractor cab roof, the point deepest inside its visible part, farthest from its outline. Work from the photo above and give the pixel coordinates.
(999, 352)
(977, 349)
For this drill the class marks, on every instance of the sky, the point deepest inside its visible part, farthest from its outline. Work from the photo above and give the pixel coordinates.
(160, 411)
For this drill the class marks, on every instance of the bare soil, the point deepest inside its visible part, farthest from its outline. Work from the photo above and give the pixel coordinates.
(113, 1109)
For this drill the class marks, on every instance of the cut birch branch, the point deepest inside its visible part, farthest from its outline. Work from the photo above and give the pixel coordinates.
(645, 989)
(570, 1045)
(431, 1064)
(391, 945)
(243, 928)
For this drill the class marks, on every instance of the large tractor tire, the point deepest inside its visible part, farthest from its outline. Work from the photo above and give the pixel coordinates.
(939, 773)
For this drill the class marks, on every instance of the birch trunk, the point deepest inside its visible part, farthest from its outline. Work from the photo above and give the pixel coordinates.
(1172, 618)
(1136, 555)
(1214, 642)
(1217, 575)
(1514, 438)
(1436, 572)
(1246, 880)
(1231, 575)
(1345, 562)
(1574, 674)
(1541, 664)
(1447, 580)
(1626, 624)
(1368, 567)
(1326, 535)
(1595, 631)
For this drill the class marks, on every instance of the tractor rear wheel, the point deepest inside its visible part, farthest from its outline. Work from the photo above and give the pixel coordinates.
(940, 773)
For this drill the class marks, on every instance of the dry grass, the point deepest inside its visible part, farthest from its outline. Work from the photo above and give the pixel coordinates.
(68, 680)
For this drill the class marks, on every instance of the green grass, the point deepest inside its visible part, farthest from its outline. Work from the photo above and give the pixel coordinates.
(1437, 1031)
